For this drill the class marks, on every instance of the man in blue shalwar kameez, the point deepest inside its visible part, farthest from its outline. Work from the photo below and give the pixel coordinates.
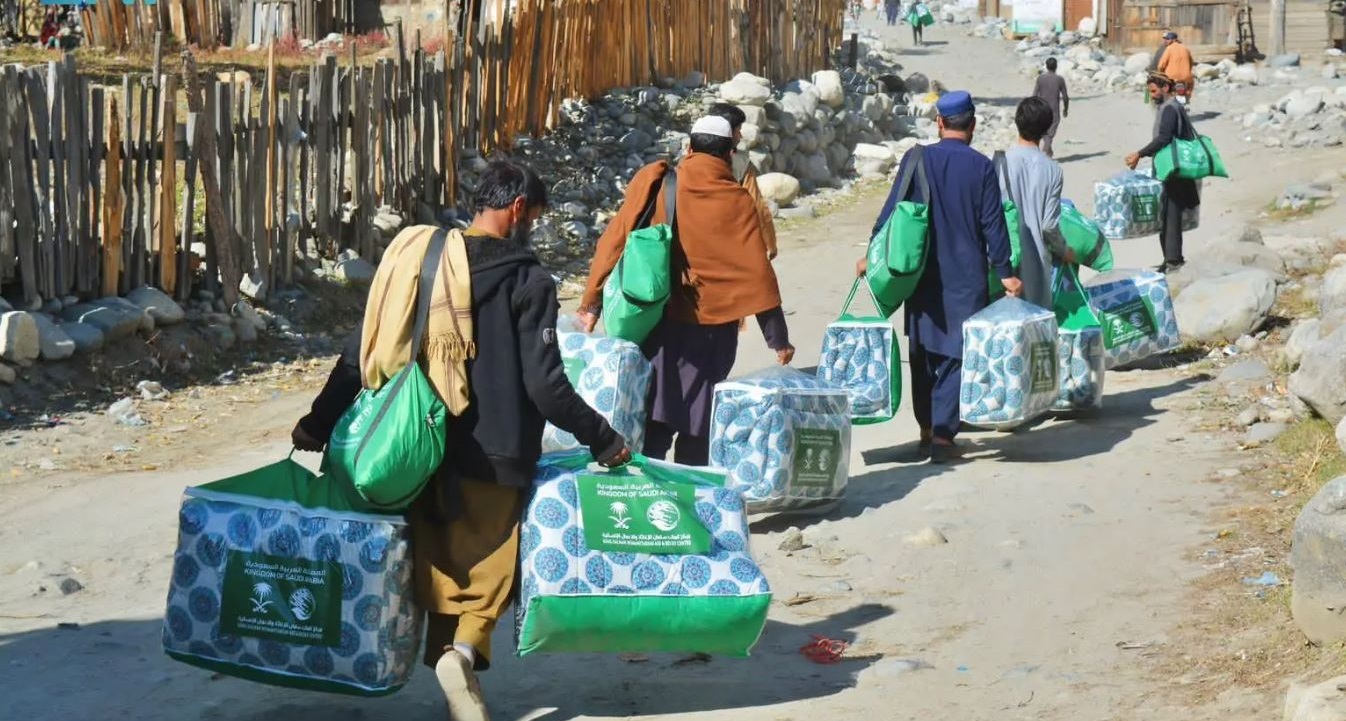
(967, 232)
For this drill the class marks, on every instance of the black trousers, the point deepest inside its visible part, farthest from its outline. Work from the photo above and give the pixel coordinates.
(1180, 195)
(688, 450)
(935, 384)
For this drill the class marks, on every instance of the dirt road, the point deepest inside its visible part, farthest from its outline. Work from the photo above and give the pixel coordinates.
(1068, 551)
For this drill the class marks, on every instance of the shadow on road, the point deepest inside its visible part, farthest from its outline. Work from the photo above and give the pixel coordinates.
(1080, 157)
(869, 491)
(1086, 435)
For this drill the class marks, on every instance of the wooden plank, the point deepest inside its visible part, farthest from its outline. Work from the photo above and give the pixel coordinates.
(188, 210)
(230, 275)
(136, 273)
(128, 183)
(42, 191)
(21, 181)
(168, 187)
(9, 253)
(113, 205)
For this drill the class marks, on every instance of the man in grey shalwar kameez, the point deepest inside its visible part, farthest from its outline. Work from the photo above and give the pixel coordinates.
(1034, 184)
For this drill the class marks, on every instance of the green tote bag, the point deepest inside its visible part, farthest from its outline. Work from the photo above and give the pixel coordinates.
(1082, 234)
(391, 440)
(896, 257)
(1070, 302)
(1191, 159)
(636, 292)
(993, 284)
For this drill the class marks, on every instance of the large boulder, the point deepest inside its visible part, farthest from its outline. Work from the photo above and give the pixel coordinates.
(1244, 75)
(814, 168)
(1242, 255)
(1304, 335)
(1321, 702)
(1226, 308)
(1289, 60)
(746, 89)
(779, 188)
(1321, 379)
(19, 339)
(1332, 294)
(1318, 554)
(1302, 105)
(53, 342)
(917, 83)
(1137, 63)
(164, 310)
(801, 104)
(755, 114)
(830, 88)
(114, 317)
(87, 338)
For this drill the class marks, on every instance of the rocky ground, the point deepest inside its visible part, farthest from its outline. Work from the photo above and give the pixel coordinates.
(1130, 565)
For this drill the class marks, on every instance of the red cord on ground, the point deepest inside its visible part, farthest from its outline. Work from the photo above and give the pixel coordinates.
(824, 650)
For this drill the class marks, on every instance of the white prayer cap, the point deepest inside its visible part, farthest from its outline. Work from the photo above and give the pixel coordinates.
(713, 125)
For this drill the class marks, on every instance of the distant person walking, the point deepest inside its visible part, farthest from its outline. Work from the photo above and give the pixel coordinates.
(919, 17)
(894, 8)
(1180, 194)
(1177, 63)
(1051, 88)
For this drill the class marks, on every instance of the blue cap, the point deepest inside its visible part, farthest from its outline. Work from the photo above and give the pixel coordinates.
(954, 103)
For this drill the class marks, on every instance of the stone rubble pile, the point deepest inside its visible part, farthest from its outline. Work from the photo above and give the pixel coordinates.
(1312, 117)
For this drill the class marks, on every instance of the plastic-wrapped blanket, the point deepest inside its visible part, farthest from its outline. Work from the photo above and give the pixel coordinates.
(279, 578)
(1010, 365)
(613, 377)
(1135, 310)
(652, 558)
(1191, 217)
(1083, 363)
(861, 354)
(1127, 205)
(784, 437)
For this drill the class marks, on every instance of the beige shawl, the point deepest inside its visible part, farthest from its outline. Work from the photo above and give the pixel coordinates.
(390, 315)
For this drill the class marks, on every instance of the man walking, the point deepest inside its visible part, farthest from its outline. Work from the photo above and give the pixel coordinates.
(894, 9)
(1180, 194)
(1177, 64)
(967, 232)
(720, 275)
(1034, 182)
(465, 525)
(1052, 89)
(745, 172)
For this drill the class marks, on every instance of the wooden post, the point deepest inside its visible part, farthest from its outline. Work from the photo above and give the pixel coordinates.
(114, 203)
(1277, 27)
(168, 188)
(223, 233)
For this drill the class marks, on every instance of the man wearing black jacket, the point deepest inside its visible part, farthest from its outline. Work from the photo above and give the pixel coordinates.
(1180, 194)
(466, 524)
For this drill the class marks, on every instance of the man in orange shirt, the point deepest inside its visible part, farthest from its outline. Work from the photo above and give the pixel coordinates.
(1177, 63)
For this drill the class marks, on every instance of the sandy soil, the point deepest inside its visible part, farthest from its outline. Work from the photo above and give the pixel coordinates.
(1071, 545)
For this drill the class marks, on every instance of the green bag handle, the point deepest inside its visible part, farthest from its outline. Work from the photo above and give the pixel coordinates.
(1092, 256)
(660, 471)
(1069, 271)
(914, 171)
(424, 292)
(669, 184)
(850, 298)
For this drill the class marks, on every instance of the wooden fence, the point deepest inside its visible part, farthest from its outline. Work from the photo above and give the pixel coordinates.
(100, 186)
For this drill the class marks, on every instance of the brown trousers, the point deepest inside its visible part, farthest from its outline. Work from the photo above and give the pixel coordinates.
(465, 568)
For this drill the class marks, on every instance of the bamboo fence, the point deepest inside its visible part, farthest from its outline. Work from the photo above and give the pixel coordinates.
(100, 185)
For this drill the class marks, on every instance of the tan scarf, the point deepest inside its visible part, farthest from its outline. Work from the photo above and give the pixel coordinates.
(390, 315)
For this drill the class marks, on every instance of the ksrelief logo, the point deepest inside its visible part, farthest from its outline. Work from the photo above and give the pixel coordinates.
(619, 516)
(302, 604)
(664, 515)
(262, 597)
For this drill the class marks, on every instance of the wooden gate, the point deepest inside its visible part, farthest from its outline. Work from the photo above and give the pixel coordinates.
(1077, 10)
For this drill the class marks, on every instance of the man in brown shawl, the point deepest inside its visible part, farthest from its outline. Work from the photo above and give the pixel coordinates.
(721, 275)
(502, 383)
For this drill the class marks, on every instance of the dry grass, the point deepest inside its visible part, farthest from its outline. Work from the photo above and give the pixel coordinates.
(1240, 634)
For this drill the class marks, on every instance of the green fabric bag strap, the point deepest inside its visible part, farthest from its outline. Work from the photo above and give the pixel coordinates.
(669, 185)
(915, 171)
(662, 471)
(850, 298)
(424, 293)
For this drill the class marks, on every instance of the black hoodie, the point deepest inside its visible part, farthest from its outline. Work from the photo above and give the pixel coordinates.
(517, 380)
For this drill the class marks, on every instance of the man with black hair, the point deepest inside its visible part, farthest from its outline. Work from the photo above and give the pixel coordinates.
(465, 525)
(720, 276)
(967, 233)
(1034, 182)
(1052, 89)
(1171, 123)
(746, 173)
